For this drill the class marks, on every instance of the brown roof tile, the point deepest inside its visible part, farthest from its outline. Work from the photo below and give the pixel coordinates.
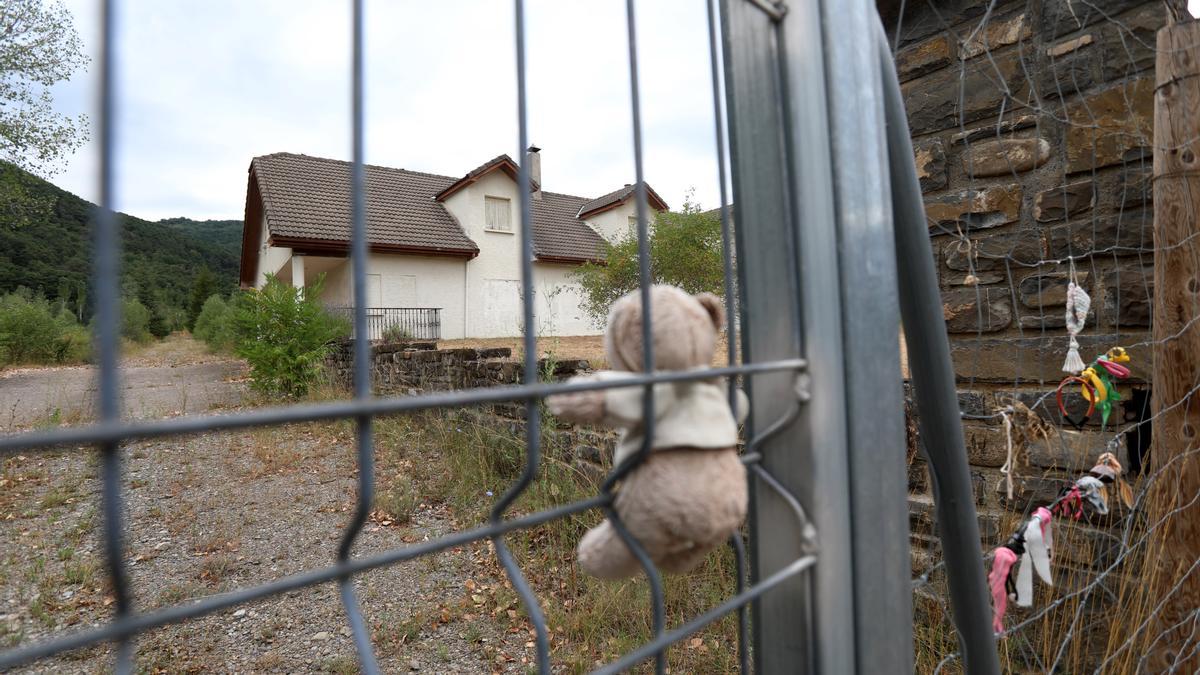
(308, 198)
(615, 197)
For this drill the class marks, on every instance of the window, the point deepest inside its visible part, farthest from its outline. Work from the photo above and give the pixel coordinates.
(497, 214)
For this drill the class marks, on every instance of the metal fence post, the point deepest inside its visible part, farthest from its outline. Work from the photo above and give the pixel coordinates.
(813, 216)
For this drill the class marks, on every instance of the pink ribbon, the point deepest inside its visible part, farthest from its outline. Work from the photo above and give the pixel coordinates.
(1003, 559)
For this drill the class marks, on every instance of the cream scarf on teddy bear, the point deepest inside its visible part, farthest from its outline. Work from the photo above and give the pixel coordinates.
(689, 414)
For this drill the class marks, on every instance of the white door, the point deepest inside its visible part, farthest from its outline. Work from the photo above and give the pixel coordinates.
(501, 308)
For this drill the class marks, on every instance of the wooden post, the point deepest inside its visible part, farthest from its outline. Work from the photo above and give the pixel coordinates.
(1176, 406)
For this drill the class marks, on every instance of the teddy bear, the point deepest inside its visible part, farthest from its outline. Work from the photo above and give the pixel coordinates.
(690, 493)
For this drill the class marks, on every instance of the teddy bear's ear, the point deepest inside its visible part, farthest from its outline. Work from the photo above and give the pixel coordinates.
(712, 305)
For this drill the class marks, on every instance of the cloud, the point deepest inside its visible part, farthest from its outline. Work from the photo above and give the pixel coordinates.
(204, 86)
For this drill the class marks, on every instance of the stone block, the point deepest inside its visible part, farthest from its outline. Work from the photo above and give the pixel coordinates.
(998, 32)
(930, 157)
(985, 445)
(1129, 296)
(1111, 126)
(989, 253)
(933, 102)
(972, 210)
(1125, 234)
(1042, 291)
(1128, 45)
(1068, 75)
(995, 129)
(976, 310)
(1005, 156)
(918, 24)
(979, 278)
(1068, 46)
(1063, 201)
(495, 353)
(1060, 17)
(1035, 359)
(923, 57)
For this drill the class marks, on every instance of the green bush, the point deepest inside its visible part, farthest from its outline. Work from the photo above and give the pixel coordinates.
(214, 324)
(284, 334)
(135, 320)
(31, 332)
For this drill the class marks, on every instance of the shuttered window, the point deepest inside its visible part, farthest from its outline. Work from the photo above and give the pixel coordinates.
(497, 214)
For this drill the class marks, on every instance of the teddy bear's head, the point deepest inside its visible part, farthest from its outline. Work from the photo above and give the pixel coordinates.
(684, 328)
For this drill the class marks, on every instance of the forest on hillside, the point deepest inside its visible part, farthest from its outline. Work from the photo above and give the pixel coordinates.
(48, 251)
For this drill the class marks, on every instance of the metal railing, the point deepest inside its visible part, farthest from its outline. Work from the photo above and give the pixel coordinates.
(398, 323)
(792, 141)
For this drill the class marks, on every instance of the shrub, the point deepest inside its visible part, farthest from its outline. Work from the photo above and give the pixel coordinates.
(213, 324)
(396, 333)
(284, 334)
(31, 332)
(135, 320)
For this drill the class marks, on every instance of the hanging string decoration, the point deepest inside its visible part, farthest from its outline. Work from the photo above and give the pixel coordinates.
(1078, 305)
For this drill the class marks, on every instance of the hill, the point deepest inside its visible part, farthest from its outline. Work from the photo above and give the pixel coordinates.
(50, 250)
(224, 234)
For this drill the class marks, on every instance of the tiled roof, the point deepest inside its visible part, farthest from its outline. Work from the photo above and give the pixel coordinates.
(618, 196)
(558, 234)
(309, 198)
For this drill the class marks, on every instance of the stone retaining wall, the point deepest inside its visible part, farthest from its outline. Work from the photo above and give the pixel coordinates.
(1033, 135)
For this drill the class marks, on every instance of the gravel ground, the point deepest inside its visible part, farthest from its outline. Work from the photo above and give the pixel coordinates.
(172, 377)
(214, 512)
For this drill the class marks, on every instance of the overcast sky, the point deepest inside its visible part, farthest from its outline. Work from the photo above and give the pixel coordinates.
(205, 85)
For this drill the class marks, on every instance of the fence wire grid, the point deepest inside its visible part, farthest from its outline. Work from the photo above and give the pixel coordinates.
(1071, 73)
(110, 432)
(1076, 78)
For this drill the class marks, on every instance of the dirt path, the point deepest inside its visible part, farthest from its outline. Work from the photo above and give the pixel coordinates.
(172, 377)
(214, 512)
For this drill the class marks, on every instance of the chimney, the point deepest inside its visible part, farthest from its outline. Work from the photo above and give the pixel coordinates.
(534, 161)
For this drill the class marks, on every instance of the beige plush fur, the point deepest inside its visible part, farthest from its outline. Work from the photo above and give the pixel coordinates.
(684, 499)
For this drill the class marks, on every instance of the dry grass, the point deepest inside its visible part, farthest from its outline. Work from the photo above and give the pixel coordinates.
(451, 457)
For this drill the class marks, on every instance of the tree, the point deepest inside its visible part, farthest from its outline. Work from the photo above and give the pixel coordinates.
(685, 251)
(203, 287)
(39, 47)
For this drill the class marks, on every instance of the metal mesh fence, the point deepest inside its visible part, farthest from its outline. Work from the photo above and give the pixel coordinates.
(1034, 130)
(110, 432)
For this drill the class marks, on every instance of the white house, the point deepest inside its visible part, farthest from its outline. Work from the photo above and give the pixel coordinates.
(439, 246)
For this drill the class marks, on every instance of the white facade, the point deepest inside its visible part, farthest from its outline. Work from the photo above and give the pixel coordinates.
(480, 297)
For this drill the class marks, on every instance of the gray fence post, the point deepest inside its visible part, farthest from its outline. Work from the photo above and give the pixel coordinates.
(818, 276)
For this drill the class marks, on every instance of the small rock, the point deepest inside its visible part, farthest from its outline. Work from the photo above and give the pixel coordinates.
(239, 614)
(414, 665)
(346, 631)
(322, 636)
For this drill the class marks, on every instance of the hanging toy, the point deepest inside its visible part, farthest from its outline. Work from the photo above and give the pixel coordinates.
(1108, 470)
(1097, 384)
(1078, 304)
(1101, 375)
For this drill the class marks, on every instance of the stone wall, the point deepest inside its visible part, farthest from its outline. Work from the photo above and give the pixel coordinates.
(410, 368)
(1032, 128)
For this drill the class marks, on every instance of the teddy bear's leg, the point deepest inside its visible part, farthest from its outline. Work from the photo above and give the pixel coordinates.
(604, 555)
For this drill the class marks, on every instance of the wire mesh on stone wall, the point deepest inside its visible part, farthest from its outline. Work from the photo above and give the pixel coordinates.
(110, 432)
(1033, 127)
